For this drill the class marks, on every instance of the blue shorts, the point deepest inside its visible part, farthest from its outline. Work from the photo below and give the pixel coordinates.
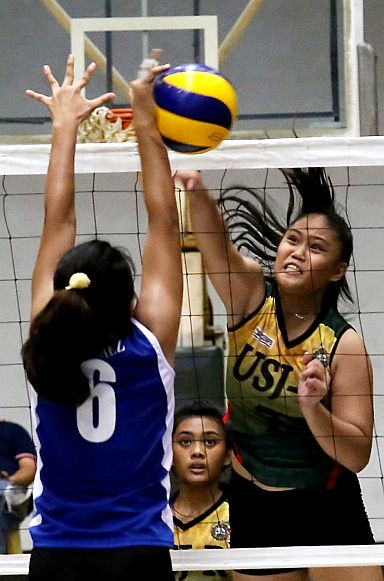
(299, 517)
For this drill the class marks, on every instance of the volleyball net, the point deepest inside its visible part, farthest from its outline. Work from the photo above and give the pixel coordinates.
(110, 205)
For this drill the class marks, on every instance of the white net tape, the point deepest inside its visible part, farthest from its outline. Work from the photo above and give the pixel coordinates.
(231, 154)
(262, 558)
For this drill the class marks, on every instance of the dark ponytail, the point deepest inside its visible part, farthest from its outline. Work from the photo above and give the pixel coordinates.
(256, 226)
(61, 336)
(77, 324)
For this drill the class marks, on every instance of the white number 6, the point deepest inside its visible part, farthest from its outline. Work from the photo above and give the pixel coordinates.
(98, 427)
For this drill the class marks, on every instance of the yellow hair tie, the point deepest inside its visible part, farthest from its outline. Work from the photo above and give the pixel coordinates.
(78, 280)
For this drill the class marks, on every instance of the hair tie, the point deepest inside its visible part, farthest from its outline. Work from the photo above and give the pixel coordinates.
(78, 280)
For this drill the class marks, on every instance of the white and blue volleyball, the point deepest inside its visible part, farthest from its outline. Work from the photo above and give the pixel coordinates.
(195, 107)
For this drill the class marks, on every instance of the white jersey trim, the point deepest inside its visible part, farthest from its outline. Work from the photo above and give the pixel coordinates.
(167, 374)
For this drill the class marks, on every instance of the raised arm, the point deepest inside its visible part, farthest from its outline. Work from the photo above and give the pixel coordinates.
(159, 304)
(345, 432)
(67, 108)
(239, 281)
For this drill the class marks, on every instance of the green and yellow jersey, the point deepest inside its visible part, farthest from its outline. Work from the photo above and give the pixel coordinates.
(210, 530)
(272, 438)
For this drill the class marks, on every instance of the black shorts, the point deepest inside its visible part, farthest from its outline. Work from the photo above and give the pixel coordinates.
(130, 564)
(298, 517)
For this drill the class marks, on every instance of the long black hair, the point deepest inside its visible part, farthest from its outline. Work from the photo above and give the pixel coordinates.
(77, 324)
(203, 408)
(257, 227)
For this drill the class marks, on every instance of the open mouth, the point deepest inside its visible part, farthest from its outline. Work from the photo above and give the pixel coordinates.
(291, 267)
(197, 468)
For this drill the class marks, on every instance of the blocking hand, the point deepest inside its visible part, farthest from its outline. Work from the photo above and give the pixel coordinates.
(66, 104)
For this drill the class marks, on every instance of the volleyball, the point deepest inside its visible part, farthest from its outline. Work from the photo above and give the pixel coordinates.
(195, 107)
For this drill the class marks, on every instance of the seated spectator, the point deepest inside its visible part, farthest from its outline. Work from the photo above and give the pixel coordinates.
(17, 472)
(201, 454)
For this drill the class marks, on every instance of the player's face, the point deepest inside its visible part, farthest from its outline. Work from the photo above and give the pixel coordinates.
(308, 257)
(199, 450)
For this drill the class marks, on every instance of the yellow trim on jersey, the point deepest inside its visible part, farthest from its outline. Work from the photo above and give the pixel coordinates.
(272, 438)
(199, 535)
(263, 367)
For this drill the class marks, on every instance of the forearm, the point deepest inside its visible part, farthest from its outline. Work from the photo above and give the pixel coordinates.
(239, 281)
(60, 182)
(205, 214)
(342, 441)
(156, 174)
(209, 228)
(23, 476)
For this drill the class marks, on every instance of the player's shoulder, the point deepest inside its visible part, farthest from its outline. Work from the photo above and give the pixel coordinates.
(350, 343)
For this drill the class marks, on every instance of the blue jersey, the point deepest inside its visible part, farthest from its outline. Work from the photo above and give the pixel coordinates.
(103, 467)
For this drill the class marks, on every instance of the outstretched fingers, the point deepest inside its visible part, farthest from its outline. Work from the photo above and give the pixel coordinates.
(157, 69)
(153, 71)
(49, 76)
(146, 75)
(52, 82)
(156, 53)
(87, 76)
(69, 71)
(70, 74)
(99, 101)
(37, 96)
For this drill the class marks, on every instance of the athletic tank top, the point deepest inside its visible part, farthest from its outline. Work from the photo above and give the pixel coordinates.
(103, 467)
(270, 433)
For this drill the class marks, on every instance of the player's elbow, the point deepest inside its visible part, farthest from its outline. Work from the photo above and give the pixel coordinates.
(360, 460)
(357, 467)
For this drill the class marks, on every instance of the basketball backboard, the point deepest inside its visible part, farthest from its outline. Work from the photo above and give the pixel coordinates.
(294, 64)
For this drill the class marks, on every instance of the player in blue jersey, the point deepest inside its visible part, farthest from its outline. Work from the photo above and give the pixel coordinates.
(299, 380)
(100, 362)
